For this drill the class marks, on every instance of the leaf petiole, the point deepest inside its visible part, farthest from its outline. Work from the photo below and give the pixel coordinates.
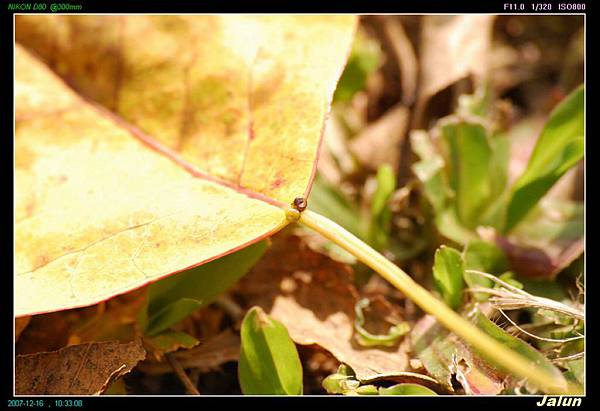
(446, 316)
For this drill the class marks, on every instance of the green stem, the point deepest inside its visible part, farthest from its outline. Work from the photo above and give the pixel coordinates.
(510, 360)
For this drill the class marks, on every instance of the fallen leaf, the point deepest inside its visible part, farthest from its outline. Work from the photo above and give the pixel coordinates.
(86, 369)
(446, 357)
(222, 348)
(314, 298)
(116, 388)
(437, 348)
(452, 48)
(406, 377)
(379, 143)
(405, 56)
(180, 149)
(110, 321)
(169, 341)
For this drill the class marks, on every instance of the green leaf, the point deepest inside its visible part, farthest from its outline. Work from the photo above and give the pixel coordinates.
(499, 164)
(495, 213)
(381, 215)
(430, 170)
(479, 104)
(269, 363)
(174, 298)
(509, 278)
(169, 341)
(576, 370)
(448, 225)
(516, 344)
(342, 381)
(483, 256)
(559, 147)
(366, 390)
(546, 289)
(576, 367)
(469, 159)
(406, 389)
(367, 339)
(171, 314)
(448, 273)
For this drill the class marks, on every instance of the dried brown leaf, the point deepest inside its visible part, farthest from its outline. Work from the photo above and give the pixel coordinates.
(379, 143)
(445, 357)
(112, 320)
(452, 48)
(209, 355)
(85, 369)
(405, 56)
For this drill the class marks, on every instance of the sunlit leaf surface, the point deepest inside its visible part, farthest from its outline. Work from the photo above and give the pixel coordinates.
(176, 144)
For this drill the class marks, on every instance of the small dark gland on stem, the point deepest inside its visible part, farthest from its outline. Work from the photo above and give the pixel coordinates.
(293, 213)
(300, 204)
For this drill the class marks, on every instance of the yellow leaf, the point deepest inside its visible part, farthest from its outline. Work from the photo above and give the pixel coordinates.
(185, 137)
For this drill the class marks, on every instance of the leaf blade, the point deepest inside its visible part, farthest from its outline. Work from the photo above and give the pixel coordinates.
(470, 156)
(559, 147)
(448, 273)
(174, 298)
(269, 362)
(253, 91)
(115, 192)
(406, 389)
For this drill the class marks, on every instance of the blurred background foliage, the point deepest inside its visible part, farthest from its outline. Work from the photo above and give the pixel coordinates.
(465, 97)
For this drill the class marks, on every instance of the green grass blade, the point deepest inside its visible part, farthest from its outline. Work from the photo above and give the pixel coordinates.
(559, 148)
(381, 215)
